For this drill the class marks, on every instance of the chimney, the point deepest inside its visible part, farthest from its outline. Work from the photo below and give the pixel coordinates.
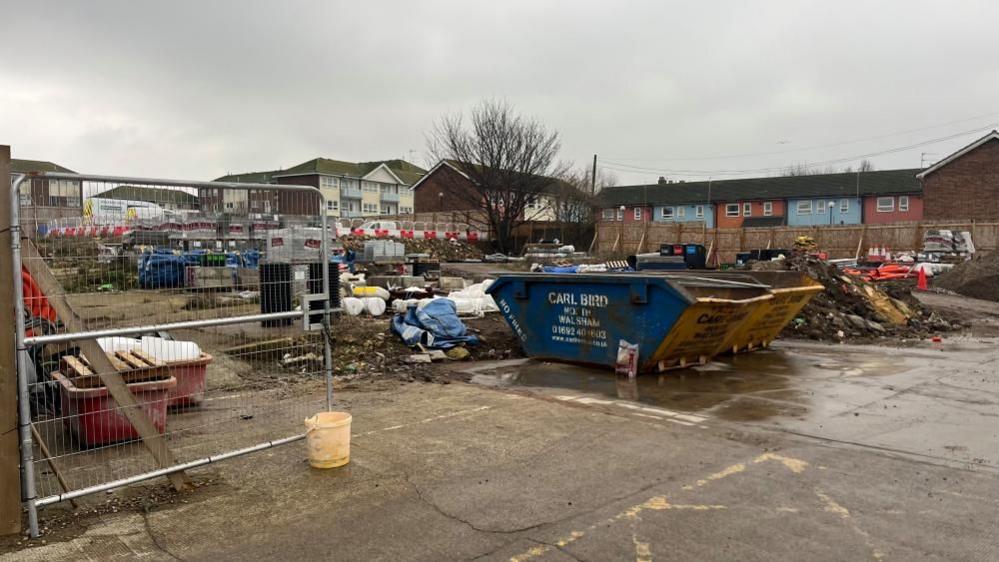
(662, 180)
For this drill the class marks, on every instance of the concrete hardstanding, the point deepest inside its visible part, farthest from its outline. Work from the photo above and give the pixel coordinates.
(830, 453)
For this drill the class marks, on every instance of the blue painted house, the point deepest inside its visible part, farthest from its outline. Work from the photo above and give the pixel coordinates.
(824, 211)
(698, 212)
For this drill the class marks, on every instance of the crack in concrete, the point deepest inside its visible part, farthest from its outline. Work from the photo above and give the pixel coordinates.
(152, 535)
(439, 509)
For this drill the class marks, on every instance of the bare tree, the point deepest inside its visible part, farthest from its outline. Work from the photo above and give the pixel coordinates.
(865, 166)
(799, 169)
(509, 159)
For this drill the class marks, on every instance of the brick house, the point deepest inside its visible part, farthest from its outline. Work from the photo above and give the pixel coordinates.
(445, 188)
(811, 200)
(964, 185)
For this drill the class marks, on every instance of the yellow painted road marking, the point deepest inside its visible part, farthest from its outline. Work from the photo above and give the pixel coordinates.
(796, 466)
(661, 503)
(426, 420)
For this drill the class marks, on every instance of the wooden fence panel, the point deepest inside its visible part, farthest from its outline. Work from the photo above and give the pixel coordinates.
(839, 241)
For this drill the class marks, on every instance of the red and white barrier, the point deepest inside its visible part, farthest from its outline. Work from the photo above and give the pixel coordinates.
(119, 230)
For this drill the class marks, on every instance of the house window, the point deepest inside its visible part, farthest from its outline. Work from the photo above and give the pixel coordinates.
(608, 214)
(386, 209)
(369, 186)
(747, 209)
(666, 213)
(389, 189)
(351, 207)
(732, 210)
(903, 203)
(329, 182)
(332, 205)
(699, 211)
(405, 210)
(620, 214)
(804, 207)
(768, 208)
(844, 206)
(638, 213)
(369, 208)
(820, 208)
(681, 212)
(886, 204)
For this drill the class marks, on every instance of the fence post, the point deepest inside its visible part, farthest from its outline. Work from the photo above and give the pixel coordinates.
(10, 477)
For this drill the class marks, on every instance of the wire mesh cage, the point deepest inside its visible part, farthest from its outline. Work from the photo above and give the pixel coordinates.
(193, 294)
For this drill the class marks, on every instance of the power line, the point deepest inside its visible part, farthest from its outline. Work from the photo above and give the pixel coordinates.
(624, 167)
(806, 148)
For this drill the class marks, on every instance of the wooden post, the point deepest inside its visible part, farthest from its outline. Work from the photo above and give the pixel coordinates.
(100, 363)
(10, 460)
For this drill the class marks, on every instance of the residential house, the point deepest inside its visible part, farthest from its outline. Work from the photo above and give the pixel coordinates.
(43, 201)
(964, 185)
(350, 189)
(446, 188)
(665, 202)
(811, 200)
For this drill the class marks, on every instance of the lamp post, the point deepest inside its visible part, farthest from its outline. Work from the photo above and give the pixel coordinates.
(832, 205)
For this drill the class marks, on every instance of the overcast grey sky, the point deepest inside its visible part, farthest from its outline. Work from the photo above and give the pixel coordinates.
(198, 89)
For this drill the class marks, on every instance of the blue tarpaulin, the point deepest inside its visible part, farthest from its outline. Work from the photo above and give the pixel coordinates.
(161, 269)
(435, 326)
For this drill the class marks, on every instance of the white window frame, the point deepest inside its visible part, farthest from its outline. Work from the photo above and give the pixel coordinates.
(747, 209)
(844, 206)
(405, 210)
(903, 203)
(369, 208)
(620, 214)
(637, 213)
(608, 214)
(332, 205)
(888, 207)
(732, 209)
(667, 213)
(802, 211)
(681, 212)
(386, 209)
(699, 211)
(820, 209)
(329, 182)
(768, 208)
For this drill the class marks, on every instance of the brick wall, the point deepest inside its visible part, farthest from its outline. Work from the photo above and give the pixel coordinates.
(965, 189)
(459, 194)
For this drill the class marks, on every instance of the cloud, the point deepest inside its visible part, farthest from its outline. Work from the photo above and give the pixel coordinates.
(196, 89)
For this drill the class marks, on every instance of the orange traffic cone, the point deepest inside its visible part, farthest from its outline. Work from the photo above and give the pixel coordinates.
(921, 283)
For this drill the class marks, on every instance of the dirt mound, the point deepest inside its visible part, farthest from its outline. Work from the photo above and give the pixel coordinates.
(851, 309)
(977, 278)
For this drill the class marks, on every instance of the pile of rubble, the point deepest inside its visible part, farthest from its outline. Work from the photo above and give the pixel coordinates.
(437, 250)
(977, 277)
(852, 309)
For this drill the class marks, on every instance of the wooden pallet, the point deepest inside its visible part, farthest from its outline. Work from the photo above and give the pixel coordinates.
(133, 366)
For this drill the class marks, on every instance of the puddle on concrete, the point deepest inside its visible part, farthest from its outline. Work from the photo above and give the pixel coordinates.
(750, 387)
